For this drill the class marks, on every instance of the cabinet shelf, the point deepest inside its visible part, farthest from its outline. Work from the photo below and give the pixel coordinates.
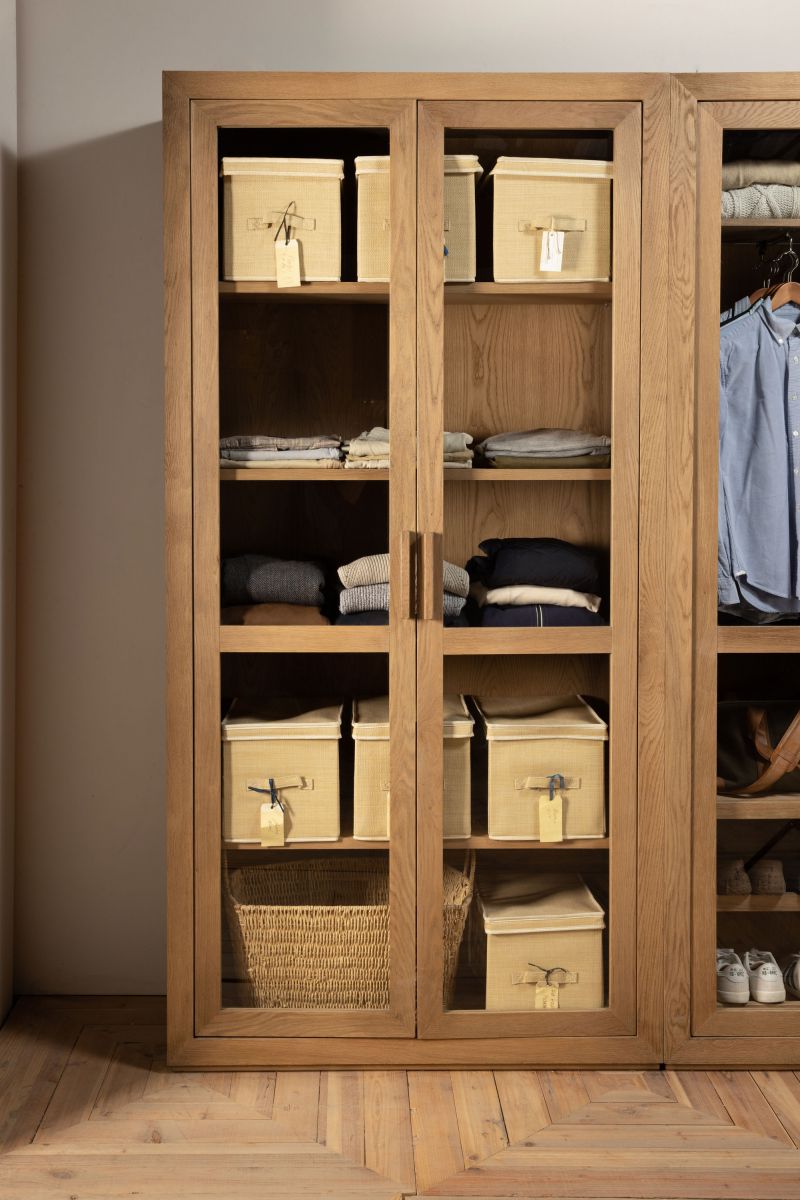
(756, 229)
(529, 475)
(770, 639)
(527, 293)
(300, 475)
(480, 840)
(553, 640)
(345, 842)
(303, 639)
(348, 293)
(762, 808)
(789, 902)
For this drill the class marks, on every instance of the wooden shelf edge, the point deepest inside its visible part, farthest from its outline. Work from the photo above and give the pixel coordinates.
(482, 841)
(597, 292)
(300, 639)
(345, 842)
(761, 808)
(349, 292)
(788, 903)
(529, 474)
(300, 475)
(552, 640)
(769, 639)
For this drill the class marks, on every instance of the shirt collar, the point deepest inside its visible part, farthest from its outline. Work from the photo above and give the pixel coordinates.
(781, 324)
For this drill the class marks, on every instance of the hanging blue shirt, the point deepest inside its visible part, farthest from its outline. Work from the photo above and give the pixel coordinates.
(759, 459)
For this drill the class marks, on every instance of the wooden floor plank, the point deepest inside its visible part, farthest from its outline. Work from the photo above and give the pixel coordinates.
(746, 1106)
(344, 1122)
(33, 1052)
(388, 1140)
(296, 1103)
(695, 1090)
(254, 1089)
(522, 1103)
(480, 1117)
(563, 1091)
(781, 1090)
(434, 1124)
(80, 1082)
(620, 1086)
(626, 1115)
(125, 1081)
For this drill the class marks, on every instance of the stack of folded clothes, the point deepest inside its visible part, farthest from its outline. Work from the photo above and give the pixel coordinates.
(364, 599)
(534, 581)
(371, 449)
(269, 450)
(258, 590)
(761, 188)
(547, 448)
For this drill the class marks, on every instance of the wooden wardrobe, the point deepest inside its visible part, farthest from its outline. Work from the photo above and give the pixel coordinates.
(635, 357)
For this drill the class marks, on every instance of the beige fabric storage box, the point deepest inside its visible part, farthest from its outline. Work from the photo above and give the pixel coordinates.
(544, 942)
(371, 787)
(295, 743)
(256, 194)
(374, 235)
(532, 195)
(531, 739)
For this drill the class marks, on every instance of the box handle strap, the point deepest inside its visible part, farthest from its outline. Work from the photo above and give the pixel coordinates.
(541, 783)
(556, 224)
(302, 783)
(553, 976)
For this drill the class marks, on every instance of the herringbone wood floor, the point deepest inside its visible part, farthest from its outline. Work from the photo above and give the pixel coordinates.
(88, 1109)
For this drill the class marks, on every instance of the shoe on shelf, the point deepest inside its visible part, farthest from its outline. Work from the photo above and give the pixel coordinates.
(766, 981)
(767, 878)
(732, 879)
(791, 976)
(733, 986)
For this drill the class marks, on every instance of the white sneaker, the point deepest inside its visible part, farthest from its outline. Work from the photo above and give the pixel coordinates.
(791, 975)
(732, 982)
(766, 982)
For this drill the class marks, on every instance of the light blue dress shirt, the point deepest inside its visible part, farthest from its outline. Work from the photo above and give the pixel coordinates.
(759, 459)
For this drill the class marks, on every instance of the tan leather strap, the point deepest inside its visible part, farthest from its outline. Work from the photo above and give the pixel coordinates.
(759, 731)
(785, 757)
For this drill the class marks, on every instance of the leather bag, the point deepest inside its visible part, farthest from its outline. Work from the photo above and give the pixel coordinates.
(758, 748)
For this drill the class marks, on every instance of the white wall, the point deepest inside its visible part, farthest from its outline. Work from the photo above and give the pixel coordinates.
(8, 465)
(90, 702)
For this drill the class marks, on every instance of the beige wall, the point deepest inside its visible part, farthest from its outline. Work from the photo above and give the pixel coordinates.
(8, 464)
(90, 704)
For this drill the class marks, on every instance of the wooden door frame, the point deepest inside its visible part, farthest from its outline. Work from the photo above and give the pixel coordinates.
(187, 1047)
(697, 1033)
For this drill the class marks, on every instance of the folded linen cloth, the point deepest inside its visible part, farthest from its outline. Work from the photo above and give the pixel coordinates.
(287, 460)
(372, 464)
(521, 594)
(374, 443)
(521, 462)
(376, 595)
(269, 441)
(748, 170)
(548, 562)
(272, 614)
(448, 463)
(552, 443)
(527, 615)
(762, 200)
(374, 568)
(318, 453)
(260, 579)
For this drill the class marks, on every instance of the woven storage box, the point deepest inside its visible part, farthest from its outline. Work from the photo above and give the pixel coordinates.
(536, 194)
(371, 788)
(315, 933)
(374, 235)
(541, 929)
(256, 194)
(297, 745)
(529, 740)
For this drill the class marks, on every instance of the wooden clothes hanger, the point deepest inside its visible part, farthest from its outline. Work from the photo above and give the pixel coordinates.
(787, 292)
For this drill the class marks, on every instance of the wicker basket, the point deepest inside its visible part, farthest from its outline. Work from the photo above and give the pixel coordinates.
(314, 933)
(374, 235)
(532, 195)
(371, 775)
(539, 930)
(532, 739)
(256, 194)
(296, 744)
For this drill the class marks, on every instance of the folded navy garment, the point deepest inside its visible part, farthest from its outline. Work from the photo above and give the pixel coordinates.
(548, 562)
(381, 617)
(529, 615)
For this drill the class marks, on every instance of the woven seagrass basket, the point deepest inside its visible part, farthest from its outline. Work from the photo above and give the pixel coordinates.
(314, 933)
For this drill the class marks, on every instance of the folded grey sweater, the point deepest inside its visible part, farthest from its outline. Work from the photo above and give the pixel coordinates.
(374, 568)
(259, 579)
(375, 596)
(550, 443)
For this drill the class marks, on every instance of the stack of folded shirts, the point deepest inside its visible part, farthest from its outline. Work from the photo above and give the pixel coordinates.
(269, 450)
(535, 581)
(364, 599)
(371, 449)
(761, 188)
(547, 448)
(258, 590)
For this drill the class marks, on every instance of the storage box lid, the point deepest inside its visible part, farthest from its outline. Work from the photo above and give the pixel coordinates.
(517, 903)
(317, 168)
(371, 718)
(372, 164)
(462, 164)
(575, 168)
(512, 717)
(282, 718)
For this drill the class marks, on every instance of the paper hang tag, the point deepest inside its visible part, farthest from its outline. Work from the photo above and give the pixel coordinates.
(273, 830)
(287, 263)
(545, 995)
(552, 250)
(551, 817)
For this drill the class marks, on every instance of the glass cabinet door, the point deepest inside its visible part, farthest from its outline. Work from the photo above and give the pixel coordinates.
(304, 511)
(528, 260)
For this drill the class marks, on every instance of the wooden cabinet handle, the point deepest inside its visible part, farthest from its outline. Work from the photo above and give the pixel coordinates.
(432, 576)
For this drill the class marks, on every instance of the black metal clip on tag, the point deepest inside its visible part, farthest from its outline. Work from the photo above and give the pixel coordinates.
(285, 224)
(551, 779)
(270, 791)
